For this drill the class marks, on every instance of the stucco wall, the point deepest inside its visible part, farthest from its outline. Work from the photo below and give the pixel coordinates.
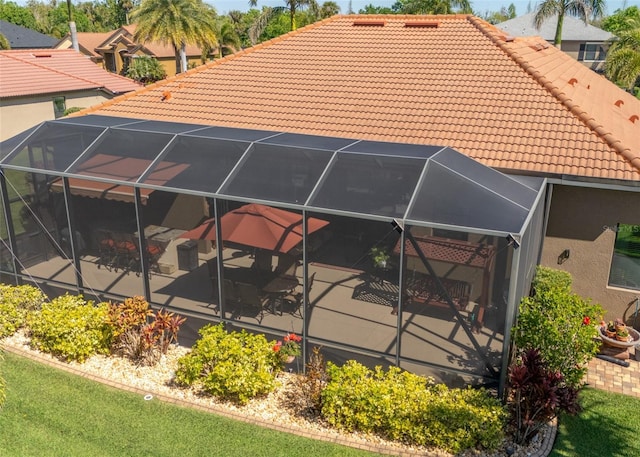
(20, 113)
(583, 220)
(573, 49)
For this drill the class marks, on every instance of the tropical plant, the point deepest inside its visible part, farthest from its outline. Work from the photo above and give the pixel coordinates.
(176, 23)
(538, 394)
(432, 6)
(4, 43)
(227, 37)
(582, 9)
(268, 14)
(146, 70)
(622, 64)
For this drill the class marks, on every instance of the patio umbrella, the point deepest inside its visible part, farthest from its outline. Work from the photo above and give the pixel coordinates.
(259, 226)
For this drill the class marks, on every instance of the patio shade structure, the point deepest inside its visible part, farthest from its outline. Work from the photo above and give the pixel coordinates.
(258, 226)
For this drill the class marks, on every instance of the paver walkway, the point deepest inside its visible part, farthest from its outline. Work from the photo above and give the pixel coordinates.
(612, 377)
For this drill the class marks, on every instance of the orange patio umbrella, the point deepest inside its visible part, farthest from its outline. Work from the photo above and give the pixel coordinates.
(259, 226)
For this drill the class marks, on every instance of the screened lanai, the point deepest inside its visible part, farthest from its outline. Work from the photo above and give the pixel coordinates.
(394, 254)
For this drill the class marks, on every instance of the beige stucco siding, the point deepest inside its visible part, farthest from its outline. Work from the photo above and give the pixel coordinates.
(20, 113)
(583, 220)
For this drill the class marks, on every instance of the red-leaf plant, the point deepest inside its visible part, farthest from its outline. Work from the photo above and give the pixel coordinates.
(537, 395)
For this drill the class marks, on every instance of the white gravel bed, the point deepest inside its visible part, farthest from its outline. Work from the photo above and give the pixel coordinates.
(278, 407)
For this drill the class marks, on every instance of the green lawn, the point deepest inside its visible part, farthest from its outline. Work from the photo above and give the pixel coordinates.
(49, 412)
(609, 426)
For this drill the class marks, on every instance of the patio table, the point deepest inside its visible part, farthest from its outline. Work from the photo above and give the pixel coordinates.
(277, 288)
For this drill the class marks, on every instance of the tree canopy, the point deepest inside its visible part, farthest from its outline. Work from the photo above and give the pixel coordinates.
(176, 23)
(582, 9)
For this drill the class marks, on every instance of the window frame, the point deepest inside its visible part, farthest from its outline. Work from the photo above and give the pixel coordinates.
(599, 53)
(618, 274)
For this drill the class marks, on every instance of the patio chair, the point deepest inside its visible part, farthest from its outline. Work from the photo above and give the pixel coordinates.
(106, 249)
(250, 299)
(127, 253)
(297, 298)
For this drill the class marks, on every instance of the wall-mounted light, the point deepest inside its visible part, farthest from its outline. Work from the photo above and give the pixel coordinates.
(564, 255)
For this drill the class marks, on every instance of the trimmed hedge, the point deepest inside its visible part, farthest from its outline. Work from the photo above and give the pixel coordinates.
(236, 366)
(405, 407)
(71, 328)
(16, 302)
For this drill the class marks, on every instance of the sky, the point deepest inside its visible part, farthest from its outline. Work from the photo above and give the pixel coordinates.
(480, 6)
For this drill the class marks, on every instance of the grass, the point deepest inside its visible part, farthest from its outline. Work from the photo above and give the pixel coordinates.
(608, 426)
(49, 412)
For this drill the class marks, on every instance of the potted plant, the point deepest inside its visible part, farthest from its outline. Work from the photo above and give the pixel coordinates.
(289, 347)
(610, 330)
(622, 334)
(380, 256)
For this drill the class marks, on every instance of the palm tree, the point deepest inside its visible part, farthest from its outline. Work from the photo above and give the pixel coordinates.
(623, 59)
(432, 6)
(226, 36)
(292, 6)
(175, 22)
(582, 9)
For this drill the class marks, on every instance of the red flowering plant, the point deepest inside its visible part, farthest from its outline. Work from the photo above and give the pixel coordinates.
(289, 346)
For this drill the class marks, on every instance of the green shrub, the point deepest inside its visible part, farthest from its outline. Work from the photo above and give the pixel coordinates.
(549, 278)
(236, 366)
(71, 328)
(405, 407)
(15, 303)
(562, 326)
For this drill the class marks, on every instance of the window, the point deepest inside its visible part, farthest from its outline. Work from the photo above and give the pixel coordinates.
(625, 265)
(591, 52)
(59, 106)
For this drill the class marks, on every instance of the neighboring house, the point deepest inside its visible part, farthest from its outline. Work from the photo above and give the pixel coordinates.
(23, 38)
(38, 85)
(519, 105)
(114, 50)
(583, 42)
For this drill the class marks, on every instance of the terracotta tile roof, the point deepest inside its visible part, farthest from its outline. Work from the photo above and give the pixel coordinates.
(90, 41)
(162, 50)
(31, 72)
(446, 80)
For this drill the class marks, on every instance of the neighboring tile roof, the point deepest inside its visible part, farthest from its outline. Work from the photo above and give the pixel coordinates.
(92, 41)
(573, 29)
(23, 38)
(163, 50)
(32, 72)
(442, 80)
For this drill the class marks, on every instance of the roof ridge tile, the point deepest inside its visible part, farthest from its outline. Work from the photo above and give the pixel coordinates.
(494, 34)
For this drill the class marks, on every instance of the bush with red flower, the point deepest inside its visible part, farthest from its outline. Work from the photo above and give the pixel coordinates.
(289, 346)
